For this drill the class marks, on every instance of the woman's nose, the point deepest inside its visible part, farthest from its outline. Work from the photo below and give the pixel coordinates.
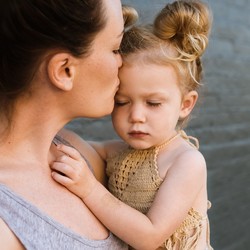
(119, 60)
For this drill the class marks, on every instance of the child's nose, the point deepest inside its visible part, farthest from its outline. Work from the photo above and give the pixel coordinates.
(137, 115)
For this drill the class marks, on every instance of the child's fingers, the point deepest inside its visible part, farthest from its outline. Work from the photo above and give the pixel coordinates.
(75, 164)
(63, 180)
(64, 170)
(72, 152)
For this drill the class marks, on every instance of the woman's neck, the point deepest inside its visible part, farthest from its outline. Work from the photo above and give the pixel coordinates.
(30, 136)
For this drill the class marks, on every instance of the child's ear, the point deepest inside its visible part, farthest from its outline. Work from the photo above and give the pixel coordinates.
(188, 103)
(61, 71)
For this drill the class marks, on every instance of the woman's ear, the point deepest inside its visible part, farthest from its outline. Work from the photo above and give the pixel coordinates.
(188, 103)
(61, 71)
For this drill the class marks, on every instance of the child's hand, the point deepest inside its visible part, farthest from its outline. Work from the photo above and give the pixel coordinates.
(72, 171)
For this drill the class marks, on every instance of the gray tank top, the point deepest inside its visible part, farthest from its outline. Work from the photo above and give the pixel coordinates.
(36, 230)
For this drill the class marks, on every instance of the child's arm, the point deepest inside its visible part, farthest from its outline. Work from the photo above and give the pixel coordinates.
(106, 148)
(95, 152)
(174, 199)
(87, 151)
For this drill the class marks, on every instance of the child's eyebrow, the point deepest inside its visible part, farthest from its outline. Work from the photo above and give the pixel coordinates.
(157, 94)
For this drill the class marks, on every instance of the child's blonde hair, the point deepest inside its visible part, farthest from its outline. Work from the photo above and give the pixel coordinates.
(178, 37)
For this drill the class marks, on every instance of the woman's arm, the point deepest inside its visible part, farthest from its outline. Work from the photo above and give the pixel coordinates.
(183, 182)
(8, 240)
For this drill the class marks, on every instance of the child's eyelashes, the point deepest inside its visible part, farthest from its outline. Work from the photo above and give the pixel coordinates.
(118, 103)
(154, 104)
(148, 103)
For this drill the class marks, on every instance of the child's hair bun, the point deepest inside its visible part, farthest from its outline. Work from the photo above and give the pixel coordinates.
(130, 15)
(186, 23)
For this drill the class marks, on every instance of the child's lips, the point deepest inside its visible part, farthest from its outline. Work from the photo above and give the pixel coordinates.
(137, 134)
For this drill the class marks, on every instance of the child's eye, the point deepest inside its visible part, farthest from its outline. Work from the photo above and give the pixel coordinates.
(154, 104)
(120, 103)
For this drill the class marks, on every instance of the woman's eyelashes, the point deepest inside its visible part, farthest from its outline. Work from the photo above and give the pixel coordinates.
(116, 51)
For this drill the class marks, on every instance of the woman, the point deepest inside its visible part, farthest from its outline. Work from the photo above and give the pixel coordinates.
(57, 56)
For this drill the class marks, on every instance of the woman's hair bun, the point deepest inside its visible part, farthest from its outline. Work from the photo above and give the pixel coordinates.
(186, 24)
(130, 15)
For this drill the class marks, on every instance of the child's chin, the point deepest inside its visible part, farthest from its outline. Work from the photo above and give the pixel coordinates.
(140, 145)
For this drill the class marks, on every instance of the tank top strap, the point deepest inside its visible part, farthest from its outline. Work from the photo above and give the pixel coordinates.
(190, 139)
(164, 144)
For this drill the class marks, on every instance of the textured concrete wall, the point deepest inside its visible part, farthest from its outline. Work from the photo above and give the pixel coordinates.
(221, 121)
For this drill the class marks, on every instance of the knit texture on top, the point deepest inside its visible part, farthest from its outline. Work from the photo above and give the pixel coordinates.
(134, 179)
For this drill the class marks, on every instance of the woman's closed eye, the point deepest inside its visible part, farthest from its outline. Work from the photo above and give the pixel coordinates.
(116, 51)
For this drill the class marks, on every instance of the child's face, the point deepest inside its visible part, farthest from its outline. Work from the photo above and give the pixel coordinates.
(148, 105)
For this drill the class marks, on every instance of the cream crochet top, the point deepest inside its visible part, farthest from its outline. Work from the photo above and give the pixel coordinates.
(134, 179)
